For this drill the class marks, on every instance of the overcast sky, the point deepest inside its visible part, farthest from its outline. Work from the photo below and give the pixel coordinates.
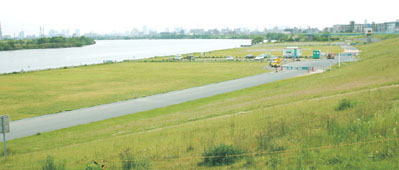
(123, 15)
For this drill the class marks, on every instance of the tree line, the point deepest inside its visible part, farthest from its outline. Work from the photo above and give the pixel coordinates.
(46, 42)
(281, 37)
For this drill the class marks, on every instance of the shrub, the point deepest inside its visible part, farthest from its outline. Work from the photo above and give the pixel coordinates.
(130, 161)
(274, 162)
(222, 155)
(250, 161)
(49, 164)
(344, 104)
(93, 167)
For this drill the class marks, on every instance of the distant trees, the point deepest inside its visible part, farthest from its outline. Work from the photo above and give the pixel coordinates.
(53, 42)
(280, 37)
(257, 40)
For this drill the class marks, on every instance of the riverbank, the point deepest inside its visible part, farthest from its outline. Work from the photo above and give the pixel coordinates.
(42, 43)
(112, 50)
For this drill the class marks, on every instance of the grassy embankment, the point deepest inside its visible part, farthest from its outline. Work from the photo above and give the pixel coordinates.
(37, 93)
(343, 119)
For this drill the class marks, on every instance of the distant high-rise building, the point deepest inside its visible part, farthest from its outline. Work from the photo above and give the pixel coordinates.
(41, 33)
(179, 30)
(21, 35)
(63, 33)
(1, 33)
(166, 30)
(351, 26)
(134, 32)
(52, 33)
(67, 33)
(145, 30)
(77, 32)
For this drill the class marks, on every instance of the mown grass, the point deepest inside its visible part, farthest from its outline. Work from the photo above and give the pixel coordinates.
(290, 124)
(275, 49)
(43, 92)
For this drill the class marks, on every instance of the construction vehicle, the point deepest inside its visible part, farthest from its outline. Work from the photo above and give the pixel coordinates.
(275, 62)
(330, 56)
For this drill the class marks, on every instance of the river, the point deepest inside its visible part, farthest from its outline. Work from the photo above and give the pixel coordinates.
(119, 50)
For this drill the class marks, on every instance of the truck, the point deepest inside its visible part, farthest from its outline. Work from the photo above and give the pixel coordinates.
(275, 62)
(330, 56)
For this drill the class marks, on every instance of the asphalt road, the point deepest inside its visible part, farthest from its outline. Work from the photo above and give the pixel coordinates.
(31, 126)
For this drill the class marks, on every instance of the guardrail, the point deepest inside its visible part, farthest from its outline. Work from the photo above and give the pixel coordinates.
(298, 68)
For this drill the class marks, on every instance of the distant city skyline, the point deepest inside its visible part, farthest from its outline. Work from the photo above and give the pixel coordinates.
(385, 27)
(123, 15)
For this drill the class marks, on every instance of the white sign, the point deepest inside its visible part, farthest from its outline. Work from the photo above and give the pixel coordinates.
(4, 124)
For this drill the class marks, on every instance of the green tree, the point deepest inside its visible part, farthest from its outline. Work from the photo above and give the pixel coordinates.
(257, 40)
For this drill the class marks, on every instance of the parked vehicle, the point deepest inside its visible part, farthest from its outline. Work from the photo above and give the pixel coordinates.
(178, 57)
(190, 57)
(261, 57)
(330, 56)
(275, 62)
(229, 58)
(250, 56)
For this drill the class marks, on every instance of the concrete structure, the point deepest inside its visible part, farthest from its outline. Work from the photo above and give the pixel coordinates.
(386, 27)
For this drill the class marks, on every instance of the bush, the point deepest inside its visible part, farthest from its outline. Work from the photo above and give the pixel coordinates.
(50, 164)
(222, 155)
(130, 161)
(344, 104)
(250, 161)
(93, 167)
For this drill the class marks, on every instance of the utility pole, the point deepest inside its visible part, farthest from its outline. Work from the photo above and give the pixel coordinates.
(4, 128)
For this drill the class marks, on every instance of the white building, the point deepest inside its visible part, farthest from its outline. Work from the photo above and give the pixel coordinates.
(292, 52)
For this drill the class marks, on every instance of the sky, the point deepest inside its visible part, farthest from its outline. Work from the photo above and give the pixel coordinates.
(123, 15)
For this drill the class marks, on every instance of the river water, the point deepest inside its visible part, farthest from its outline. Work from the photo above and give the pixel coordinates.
(38, 59)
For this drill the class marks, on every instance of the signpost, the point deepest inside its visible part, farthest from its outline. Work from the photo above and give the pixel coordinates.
(4, 128)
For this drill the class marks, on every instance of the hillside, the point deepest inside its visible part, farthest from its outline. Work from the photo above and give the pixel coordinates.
(346, 118)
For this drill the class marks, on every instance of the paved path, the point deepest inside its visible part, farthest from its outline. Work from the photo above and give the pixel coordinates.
(31, 126)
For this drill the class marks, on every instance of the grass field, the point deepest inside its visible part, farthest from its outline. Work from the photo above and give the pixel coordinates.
(43, 92)
(274, 49)
(346, 118)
